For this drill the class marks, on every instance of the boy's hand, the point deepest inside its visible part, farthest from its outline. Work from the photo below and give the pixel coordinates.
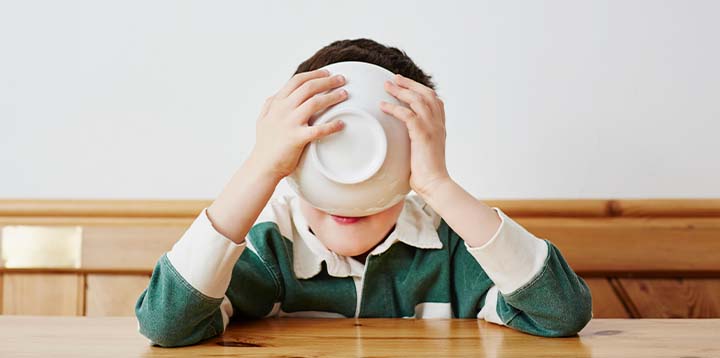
(474, 221)
(282, 128)
(425, 120)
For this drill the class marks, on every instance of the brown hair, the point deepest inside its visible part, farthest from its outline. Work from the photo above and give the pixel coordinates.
(366, 50)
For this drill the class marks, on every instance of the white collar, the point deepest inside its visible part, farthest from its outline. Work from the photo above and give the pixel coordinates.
(416, 226)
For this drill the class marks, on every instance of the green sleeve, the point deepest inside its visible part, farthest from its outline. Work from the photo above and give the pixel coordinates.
(172, 313)
(555, 303)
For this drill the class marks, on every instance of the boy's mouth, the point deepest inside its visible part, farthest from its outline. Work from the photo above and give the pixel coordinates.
(345, 220)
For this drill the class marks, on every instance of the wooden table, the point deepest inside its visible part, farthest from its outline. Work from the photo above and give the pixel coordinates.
(84, 337)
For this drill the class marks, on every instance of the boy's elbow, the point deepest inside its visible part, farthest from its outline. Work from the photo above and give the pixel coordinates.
(574, 318)
(161, 330)
(168, 341)
(573, 325)
(163, 340)
(164, 333)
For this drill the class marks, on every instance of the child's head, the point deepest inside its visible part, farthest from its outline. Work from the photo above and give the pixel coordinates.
(356, 236)
(366, 50)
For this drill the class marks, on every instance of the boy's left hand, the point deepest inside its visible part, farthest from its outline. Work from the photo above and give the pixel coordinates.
(425, 120)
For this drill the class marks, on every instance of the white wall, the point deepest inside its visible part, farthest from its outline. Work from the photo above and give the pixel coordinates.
(151, 99)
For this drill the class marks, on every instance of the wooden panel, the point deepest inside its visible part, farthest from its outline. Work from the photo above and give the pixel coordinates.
(674, 298)
(92, 221)
(1, 280)
(117, 244)
(24, 246)
(103, 208)
(531, 208)
(640, 245)
(43, 294)
(191, 208)
(667, 207)
(553, 208)
(127, 247)
(113, 295)
(606, 304)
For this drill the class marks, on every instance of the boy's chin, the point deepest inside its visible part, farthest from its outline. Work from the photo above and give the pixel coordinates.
(350, 250)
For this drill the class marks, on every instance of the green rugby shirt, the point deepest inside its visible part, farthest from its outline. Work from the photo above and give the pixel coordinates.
(423, 269)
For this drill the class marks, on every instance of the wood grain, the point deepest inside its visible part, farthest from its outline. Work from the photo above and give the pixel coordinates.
(127, 247)
(92, 221)
(553, 208)
(106, 271)
(191, 208)
(674, 298)
(606, 303)
(43, 294)
(84, 337)
(113, 295)
(80, 301)
(103, 208)
(513, 207)
(1, 292)
(667, 207)
(617, 246)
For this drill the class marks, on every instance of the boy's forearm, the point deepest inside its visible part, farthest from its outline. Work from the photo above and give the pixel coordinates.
(474, 221)
(243, 198)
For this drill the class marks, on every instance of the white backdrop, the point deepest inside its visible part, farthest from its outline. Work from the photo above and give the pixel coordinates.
(558, 99)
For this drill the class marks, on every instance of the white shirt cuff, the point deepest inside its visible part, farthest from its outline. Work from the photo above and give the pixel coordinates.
(512, 257)
(205, 258)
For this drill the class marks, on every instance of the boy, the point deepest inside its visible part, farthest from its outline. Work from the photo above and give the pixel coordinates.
(438, 254)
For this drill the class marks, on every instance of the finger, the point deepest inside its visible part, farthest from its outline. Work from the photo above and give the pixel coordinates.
(431, 97)
(323, 130)
(408, 83)
(298, 79)
(441, 105)
(313, 87)
(319, 103)
(412, 98)
(400, 112)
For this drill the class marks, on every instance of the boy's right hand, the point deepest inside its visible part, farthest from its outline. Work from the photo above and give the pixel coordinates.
(282, 129)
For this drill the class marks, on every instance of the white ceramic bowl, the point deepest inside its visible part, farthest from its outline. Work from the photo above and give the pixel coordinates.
(365, 168)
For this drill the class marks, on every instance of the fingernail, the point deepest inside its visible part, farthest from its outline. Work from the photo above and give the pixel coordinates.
(343, 93)
(340, 78)
(326, 72)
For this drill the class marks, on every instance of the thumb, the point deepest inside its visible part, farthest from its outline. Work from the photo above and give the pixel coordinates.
(266, 106)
